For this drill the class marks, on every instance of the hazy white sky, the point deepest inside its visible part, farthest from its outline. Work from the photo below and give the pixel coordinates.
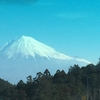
(70, 26)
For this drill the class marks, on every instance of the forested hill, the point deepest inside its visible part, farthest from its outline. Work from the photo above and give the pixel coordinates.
(73, 85)
(4, 85)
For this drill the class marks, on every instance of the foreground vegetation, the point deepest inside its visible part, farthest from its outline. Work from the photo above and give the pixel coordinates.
(73, 85)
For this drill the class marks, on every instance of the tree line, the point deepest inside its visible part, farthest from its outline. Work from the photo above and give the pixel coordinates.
(79, 83)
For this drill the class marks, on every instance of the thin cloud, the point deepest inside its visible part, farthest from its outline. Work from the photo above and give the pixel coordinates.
(71, 16)
(17, 1)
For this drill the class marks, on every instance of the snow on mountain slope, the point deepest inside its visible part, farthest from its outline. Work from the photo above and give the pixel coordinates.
(27, 46)
(26, 56)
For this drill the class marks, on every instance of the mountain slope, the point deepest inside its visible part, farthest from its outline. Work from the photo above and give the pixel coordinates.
(27, 46)
(26, 56)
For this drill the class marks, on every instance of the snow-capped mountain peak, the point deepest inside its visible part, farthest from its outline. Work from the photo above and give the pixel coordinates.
(26, 56)
(28, 46)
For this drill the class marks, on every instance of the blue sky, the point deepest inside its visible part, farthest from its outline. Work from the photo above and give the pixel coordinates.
(70, 26)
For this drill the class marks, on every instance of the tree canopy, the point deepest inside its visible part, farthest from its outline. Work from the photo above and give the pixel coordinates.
(60, 86)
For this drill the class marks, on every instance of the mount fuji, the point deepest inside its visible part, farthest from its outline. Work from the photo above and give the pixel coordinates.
(26, 56)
